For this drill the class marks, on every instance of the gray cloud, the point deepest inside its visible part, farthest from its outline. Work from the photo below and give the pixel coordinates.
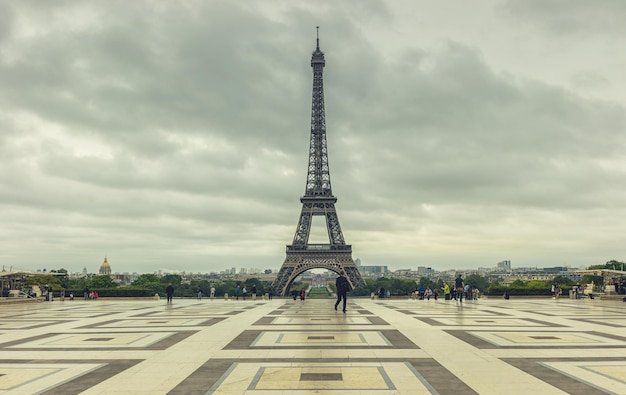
(577, 17)
(177, 135)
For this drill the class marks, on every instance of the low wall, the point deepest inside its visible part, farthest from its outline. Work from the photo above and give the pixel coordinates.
(20, 300)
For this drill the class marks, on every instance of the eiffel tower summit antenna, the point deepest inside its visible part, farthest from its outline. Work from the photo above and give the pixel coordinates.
(318, 200)
(318, 36)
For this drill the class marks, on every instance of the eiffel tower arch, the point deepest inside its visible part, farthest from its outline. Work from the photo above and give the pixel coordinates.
(318, 200)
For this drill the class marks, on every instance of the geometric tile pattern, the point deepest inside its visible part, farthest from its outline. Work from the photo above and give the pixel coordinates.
(578, 376)
(282, 346)
(280, 376)
(92, 341)
(544, 339)
(560, 339)
(55, 377)
(321, 339)
(12, 324)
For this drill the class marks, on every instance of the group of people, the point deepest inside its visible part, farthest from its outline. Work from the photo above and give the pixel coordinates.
(382, 293)
(301, 293)
(459, 291)
(243, 291)
(577, 291)
(199, 293)
(343, 286)
(87, 294)
(239, 291)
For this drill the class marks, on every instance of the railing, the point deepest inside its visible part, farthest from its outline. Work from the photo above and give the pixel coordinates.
(319, 247)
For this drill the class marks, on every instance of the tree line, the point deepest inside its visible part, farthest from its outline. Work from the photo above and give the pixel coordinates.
(151, 284)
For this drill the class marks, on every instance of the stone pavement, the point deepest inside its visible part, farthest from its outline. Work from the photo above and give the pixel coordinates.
(282, 346)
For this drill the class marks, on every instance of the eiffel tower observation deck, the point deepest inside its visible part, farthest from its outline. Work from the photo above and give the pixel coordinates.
(318, 200)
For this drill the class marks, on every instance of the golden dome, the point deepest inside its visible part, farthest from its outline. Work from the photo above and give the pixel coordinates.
(105, 268)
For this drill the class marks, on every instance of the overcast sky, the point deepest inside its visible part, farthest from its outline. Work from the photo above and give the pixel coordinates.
(175, 135)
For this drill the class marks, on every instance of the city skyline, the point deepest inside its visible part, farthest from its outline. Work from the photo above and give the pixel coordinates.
(176, 136)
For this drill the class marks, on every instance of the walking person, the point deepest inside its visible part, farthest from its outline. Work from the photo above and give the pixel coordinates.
(458, 284)
(199, 294)
(343, 286)
(302, 294)
(254, 292)
(421, 291)
(244, 292)
(212, 292)
(169, 292)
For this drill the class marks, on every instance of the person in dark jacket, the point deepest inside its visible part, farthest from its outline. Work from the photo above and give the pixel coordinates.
(169, 291)
(343, 286)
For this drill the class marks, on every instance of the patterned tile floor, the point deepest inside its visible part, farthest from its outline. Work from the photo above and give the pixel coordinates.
(282, 346)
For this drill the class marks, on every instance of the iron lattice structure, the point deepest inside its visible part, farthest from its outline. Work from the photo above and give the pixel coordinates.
(318, 199)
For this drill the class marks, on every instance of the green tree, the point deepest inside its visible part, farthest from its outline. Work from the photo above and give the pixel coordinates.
(611, 265)
(76, 283)
(151, 282)
(427, 282)
(145, 279)
(480, 282)
(517, 284)
(563, 281)
(403, 286)
(227, 287)
(175, 279)
(382, 282)
(53, 282)
(202, 285)
(101, 282)
(296, 287)
(537, 284)
(260, 286)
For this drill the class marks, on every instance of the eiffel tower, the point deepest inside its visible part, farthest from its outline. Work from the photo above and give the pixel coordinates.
(318, 199)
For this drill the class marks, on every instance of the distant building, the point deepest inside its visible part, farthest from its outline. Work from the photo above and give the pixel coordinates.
(556, 269)
(425, 271)
(504, 265)
(371, 270)
(105, 268)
